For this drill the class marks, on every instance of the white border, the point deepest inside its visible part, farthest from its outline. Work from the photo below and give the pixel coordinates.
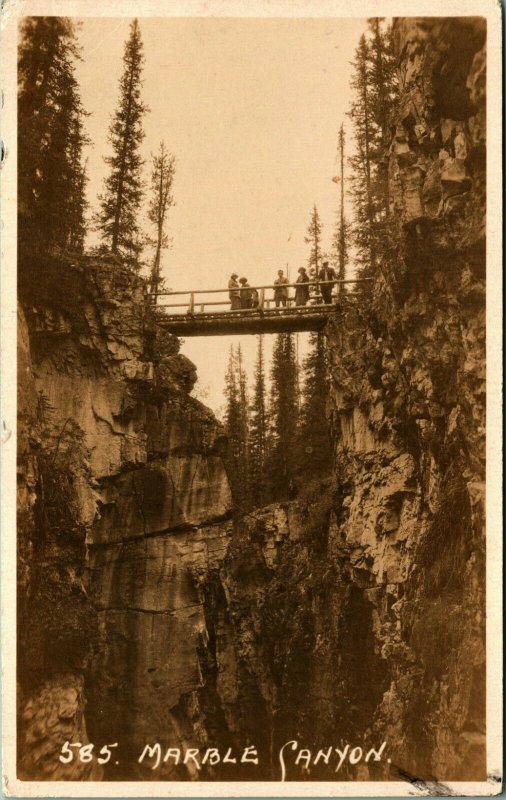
(255, 8)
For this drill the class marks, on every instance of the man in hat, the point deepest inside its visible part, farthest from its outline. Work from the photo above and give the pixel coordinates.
(327, 274)
(281, 291)
(233, 293)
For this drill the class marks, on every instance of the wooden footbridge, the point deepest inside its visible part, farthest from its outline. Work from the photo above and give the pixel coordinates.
(196, 315)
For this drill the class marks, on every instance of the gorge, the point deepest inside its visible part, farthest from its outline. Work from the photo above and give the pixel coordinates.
(150, 612)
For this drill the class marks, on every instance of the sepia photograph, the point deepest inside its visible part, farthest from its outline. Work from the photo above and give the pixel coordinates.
(253, 259)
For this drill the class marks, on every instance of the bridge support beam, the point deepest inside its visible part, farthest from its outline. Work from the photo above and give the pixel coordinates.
(250, 322)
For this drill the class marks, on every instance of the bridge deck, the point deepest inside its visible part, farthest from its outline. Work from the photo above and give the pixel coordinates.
(248, 321)
(195, 319)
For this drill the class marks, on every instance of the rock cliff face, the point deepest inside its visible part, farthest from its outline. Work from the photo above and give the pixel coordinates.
(351, 615)
(123, 509)
(409, 413)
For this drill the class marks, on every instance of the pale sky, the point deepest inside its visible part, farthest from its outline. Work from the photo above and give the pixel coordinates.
(251, 109)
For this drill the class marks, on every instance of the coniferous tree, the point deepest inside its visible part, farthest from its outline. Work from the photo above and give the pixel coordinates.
(383, 81)
(232, 420)
(313, 238)
(79, 179)
(258, 433)
(244, 463)
(372, 111)
(361, 161)
(314, 439)
(340, 239)
(162, 176)
(118, 217)
(284, 418)
(51, 175)
(236, 426)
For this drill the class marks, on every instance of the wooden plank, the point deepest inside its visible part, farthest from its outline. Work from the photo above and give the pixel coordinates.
(269, 286)
(226, 325)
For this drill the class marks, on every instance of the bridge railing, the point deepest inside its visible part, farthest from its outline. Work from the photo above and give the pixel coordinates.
(191, 304)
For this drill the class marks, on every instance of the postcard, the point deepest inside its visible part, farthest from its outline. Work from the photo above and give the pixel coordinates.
(251, 371)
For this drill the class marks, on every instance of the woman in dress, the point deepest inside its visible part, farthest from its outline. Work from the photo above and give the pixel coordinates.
(302, 292)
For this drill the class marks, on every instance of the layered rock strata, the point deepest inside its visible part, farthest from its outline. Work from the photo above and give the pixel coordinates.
(123, 508)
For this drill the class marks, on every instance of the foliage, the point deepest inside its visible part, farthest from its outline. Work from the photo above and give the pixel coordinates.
(314, 439)
(258, 433)
(51, 175)
(162, 176)
(374, 83)
(284, 418)
(342, 233)
(313, 238)
(120, 203)
(237, 429)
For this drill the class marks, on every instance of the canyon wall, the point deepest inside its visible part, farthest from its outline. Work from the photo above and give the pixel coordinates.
(354, 613)
(123, 511)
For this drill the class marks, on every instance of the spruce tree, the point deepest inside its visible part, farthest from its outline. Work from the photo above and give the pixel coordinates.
(51, 175)
(258, 433)
(236, 426)
(361, 162)
(284, 418)
(372, 112)
(120, 203)
(162, 176)
(244, 444)
(232, 420)
(79, 179)
(340, 239)
(314, 439)
(383, 80)
(313, 238)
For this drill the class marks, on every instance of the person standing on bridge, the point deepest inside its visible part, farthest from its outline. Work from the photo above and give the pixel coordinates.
(327, 274)
(302, 292)
(233, 293)
(281, 290)
(245, 293)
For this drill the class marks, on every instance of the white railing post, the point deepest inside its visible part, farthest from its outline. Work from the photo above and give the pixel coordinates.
(191, 307)
(261, 299)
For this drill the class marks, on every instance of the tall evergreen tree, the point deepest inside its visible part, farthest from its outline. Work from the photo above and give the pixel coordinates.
(383, 79)
(361, 161)
(314, 439)
(236, 426)
(258, 433)
(118, 217)
(51, 175)
(232, 420)
(313, 238)
(79, 179)
(244, 443)
(284, 417)
(375, 85)
(340, 239)
(162, 177)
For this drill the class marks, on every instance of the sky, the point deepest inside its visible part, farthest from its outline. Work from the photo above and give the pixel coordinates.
(251, 109)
